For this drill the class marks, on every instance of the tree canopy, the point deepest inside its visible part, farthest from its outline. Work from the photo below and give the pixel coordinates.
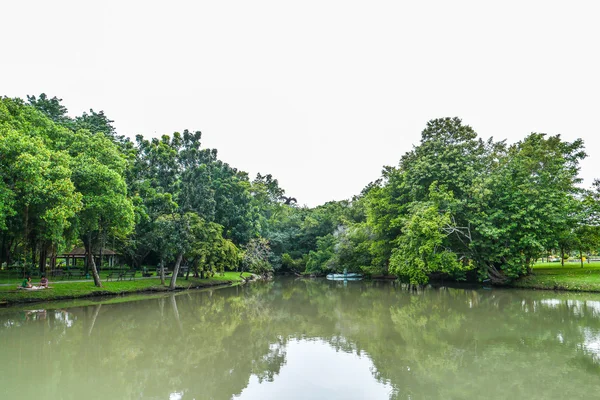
(456, 205)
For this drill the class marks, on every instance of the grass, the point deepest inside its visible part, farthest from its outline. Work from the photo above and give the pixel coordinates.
(73, 290)
(14, 277)
(570, 277)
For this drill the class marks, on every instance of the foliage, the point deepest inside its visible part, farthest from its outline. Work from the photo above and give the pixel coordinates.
(322, 260)
(256, 257)
(502, 206)
(455, 202)
(421, 249)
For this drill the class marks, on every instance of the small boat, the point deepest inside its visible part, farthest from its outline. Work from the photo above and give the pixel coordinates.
(341, 277)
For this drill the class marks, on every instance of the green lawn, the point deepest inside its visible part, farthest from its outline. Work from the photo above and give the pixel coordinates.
(71, 290)
(570, 277)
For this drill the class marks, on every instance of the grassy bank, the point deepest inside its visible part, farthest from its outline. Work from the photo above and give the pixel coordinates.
(571, 277)
(74, 290)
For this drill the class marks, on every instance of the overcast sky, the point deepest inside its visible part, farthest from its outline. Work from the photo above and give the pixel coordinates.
(321, 94)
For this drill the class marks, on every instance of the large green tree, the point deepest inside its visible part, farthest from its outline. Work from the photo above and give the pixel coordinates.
(98, 168)
(524, 204)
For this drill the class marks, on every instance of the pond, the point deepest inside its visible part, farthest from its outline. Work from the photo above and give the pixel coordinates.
(308, 339)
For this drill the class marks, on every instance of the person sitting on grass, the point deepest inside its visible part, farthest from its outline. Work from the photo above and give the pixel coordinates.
(26, 283)
(44, 282)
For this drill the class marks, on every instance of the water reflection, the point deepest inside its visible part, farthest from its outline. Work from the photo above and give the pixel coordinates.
(308, 339)
(314, 370)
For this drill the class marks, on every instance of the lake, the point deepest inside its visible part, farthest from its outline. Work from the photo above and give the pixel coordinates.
(308, 339)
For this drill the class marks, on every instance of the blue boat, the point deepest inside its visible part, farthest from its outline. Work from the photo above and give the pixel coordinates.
(345, 276)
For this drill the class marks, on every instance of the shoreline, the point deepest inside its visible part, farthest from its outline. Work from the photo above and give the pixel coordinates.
(86, 290)
(539, 280)
(540, 284)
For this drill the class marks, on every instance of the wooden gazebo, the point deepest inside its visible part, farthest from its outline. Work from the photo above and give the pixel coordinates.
(79, 253)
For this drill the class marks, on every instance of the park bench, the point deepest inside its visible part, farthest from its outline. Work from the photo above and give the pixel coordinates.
(183, 271)
(167, 272)
(126, 274)
(75, 274)
(55, 273)
(113, 275)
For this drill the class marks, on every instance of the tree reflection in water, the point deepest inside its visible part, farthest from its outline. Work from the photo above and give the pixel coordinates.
(435, 343)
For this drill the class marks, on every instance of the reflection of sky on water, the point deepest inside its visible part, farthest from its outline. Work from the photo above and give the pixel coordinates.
(591, 308)
(577, 307)
(65, 317)
(347, 375)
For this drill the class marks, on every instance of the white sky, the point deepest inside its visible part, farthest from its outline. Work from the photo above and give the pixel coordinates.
(321, 94)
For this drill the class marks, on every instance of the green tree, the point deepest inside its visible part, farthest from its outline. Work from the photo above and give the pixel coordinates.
(212, 252)
(256, 257)
(322, 259)
(525, 204)
(422, 249)
(52, 108)
(38, 194)
(98, 168)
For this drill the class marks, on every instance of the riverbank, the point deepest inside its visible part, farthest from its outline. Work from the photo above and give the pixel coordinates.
(82, 289)
(552, 276)
(570, 277)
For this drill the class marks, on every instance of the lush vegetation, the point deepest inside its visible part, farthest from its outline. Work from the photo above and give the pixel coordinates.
(455, 206)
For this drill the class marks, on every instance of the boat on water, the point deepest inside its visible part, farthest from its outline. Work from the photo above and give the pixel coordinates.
(341, 277)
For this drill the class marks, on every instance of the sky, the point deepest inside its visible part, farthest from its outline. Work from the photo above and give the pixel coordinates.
(320, 94)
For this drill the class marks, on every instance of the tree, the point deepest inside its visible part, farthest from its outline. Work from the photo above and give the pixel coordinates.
(503, 205)
(256, 257)
(422, 249)
(234, 208)
(322, 259)
(587, 240)
(36, 188)
(98, 168)
(387, 203)
(52, 108)
(213, 252)
(38, 197)
(96, 122)
(450, 154)
(524, 205)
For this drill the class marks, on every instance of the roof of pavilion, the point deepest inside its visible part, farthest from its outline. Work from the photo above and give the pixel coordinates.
(80, 252)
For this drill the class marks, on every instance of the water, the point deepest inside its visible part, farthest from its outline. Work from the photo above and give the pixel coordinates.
(313, 339)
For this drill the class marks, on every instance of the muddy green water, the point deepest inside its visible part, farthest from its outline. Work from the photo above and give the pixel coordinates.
(308, 339)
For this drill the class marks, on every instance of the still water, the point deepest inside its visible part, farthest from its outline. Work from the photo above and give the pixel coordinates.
(308, 339)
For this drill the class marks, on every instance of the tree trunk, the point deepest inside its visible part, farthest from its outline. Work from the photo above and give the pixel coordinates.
(2, 244)
(10, 251)
(33, 254)
(496, 276)
(100, 260)
(43, 257)
(581, 257)
(175, 271)
(562, 256)
(91, 262)
(162, 272)
(26, 233)
(53, 257)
